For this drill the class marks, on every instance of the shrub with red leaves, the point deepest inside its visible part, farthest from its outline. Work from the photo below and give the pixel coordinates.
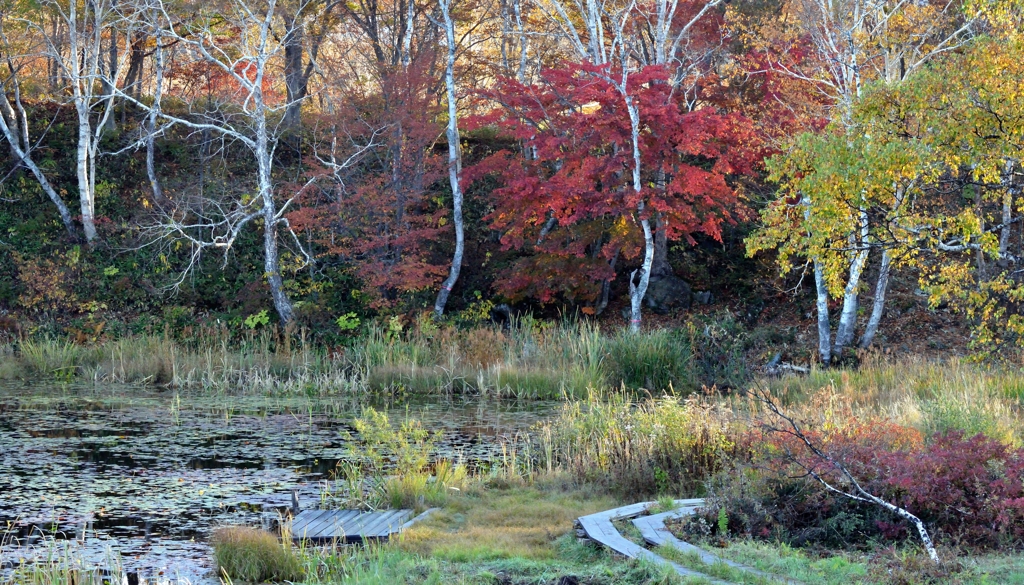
(967, 490)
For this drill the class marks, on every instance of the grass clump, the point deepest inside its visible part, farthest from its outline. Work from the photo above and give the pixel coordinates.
(248, 554)
(640, 447)
(655, 361)
(786, 561)
(50, 358)
(504, 520)
(393, 467)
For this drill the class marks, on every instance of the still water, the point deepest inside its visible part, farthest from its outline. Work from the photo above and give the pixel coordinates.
(101, 472)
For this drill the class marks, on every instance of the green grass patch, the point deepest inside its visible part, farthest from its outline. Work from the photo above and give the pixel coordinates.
(248, 554)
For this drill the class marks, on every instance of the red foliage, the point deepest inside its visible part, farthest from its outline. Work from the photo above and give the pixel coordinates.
(198, 78)
(378, 218)
(576, 130)
(971, 489)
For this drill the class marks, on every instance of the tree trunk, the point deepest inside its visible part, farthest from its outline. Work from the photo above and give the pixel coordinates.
(848, 318)
(86, 197)
(294, 75)
(454, 163)
(108, 82)
(136, 61)
(14, 125)
(660, 265)
(271, 263)
(638, 290)
(154, 181)
(606, 288)
(1006, 229)
(878, 306)
(824, 329)
(521, 72)
(410, 21)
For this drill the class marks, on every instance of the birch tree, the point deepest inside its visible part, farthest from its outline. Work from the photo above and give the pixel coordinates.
(238, 43)
(90, 81)
(854, 43)
(454, 158)
(14, 123)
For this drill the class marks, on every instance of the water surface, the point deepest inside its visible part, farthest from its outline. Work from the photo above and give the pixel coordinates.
(145, 475)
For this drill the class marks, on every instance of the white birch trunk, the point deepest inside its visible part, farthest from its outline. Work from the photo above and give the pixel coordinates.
(410, 18)
(878, 306)
(154, 181)
(848, 318)
(1006, 229)
(78, 63)
(518, 10)
(454, 162)
(86, 196)
(264, 160)
(637, 290)
(821, 304)
(21, 149)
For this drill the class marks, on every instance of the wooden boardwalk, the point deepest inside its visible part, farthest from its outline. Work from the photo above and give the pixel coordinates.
(599, 527)
(349, 526)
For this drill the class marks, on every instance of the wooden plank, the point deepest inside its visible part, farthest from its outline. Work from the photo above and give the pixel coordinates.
(332, 526)
(303, 519)
(389, 523)
(314, 528)
(381, 525)
(300, 519)
(350, 525)
(354, 529)
(399, 523)
(656, 533)
(599, 527)
(419, 518)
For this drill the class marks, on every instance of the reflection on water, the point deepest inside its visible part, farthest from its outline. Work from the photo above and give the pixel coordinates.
(143, 475)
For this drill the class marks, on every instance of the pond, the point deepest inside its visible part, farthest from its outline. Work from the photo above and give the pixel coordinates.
(145, 475)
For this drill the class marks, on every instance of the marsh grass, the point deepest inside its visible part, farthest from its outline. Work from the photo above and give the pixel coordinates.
(504, 520)
(51, 358)
(529, 360)
(394, 565)
(259, 364)
(928, 395)
(655, 361)
(249, 554)
(59, 563)
(652, 446)
(9, 366)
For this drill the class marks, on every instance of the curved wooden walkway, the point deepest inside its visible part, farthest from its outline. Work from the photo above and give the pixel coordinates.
(599, 528)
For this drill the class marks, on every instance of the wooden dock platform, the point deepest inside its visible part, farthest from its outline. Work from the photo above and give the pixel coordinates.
(350, 526)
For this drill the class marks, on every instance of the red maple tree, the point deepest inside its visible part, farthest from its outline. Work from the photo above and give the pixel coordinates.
(566, 196)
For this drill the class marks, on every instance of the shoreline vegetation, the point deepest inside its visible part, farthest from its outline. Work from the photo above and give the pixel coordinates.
(638, 419)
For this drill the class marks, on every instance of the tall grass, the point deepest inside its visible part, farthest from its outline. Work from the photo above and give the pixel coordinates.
(260, 364)
(530, 360)
(930, 395)
(60, 563)
(645, 447)
(252, 555)
(9, 366)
